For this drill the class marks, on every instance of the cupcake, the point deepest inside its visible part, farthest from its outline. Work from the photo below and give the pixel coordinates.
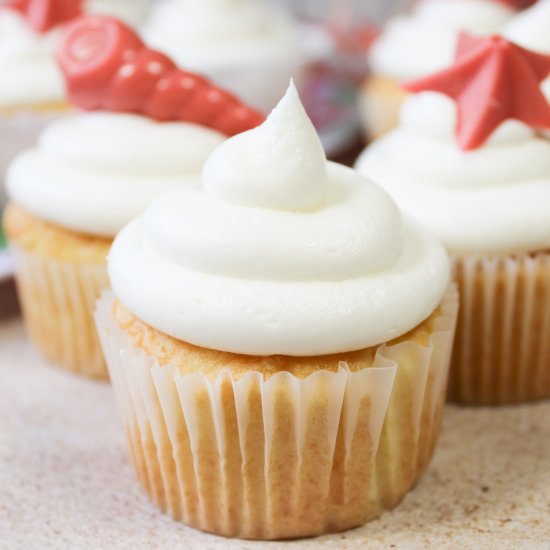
(151, 129)
(531, 29)
(419, 43)
(278, 340)
(250, 47)
(470, 163)
(32, 93)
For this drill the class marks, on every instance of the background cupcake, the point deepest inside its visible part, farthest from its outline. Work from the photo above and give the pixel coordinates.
(417, 44)
(531, 29)
(92, 172)
(279, 340)
(32, 91)
(251, 47)
(485, 193)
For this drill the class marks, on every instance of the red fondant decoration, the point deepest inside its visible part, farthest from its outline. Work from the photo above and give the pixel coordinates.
(107, 66)
(492, 80)
(517, 4)
(43, 15)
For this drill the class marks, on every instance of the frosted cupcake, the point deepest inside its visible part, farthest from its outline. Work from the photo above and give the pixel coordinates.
(278, 340)
(485, 192)
(153, 127)
(531, 29)
(31, 90)
(417, 44)
(250, 47)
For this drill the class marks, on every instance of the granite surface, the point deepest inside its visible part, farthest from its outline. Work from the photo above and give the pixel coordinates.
(66, 481)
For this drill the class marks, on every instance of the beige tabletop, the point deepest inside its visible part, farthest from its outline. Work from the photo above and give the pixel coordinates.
(66, 480)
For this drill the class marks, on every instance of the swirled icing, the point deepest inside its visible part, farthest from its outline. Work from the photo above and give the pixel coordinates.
(531, 29)
(93, 172)
(27, 58)
(495, 199)
(250, 47)
(279, 252)
(425, 40)
(213, 33)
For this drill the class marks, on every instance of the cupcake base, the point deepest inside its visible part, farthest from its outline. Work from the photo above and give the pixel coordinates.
(59, 277)
(266, 454)
(502, 350)
(381, 99)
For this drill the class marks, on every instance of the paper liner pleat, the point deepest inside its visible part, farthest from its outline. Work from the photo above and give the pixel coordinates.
(58, 300)
(502, 351)
(281, 457)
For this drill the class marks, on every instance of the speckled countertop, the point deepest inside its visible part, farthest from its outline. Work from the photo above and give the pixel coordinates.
(66, 481)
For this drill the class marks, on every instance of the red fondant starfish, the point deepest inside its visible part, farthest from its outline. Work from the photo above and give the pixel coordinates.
(517, 4)
(43, 15)
(492, 80)
(107, 67)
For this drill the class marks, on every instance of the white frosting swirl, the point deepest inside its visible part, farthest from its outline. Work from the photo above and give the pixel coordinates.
(30, 74)
(425, 40)
(93, 172)
(27, 63)
(291, 182)
(495, 199)
(214, 33)
(133, 12)
(238, 266)
(248, 46)
(531, 29)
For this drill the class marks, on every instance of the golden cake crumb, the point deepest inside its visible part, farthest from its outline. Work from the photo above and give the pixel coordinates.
(190, 358)
(47, 239)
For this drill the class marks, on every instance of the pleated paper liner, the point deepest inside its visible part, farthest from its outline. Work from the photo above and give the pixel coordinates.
(502, 351)
(58, 300)
(281, 457)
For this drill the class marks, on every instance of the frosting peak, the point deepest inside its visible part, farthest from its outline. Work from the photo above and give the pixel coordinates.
(279, 165)
(280, 252)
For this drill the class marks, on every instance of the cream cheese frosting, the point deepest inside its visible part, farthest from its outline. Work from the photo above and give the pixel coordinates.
(279, 252)
(531, 29)
(93, 172)
(495, 199)
(424, 41)
(248, 46)
(26, 61)
(30, 74)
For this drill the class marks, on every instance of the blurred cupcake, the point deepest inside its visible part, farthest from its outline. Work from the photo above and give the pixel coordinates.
(131, 12)
(31, 91)
(487, 197)
(417, 44)
(531, 29)
(278, 340)
(251, 47)
(153, 128)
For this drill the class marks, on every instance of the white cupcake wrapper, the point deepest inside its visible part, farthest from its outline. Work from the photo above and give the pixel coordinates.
(502, 353)
(282, 457)
(58, 300)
